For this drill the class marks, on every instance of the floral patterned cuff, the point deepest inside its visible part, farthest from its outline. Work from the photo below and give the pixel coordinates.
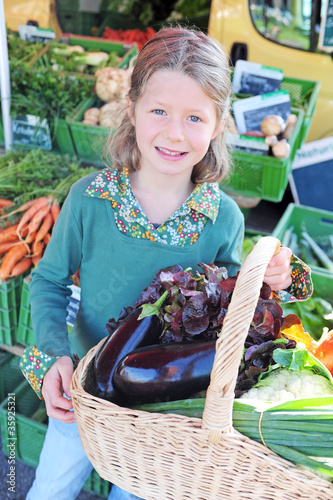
(34, 365)
(301, 287)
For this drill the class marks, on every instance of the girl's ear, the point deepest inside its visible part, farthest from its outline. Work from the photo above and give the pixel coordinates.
(219, 128)
(130, 111)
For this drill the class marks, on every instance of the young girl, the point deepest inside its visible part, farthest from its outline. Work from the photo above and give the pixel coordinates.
(158, 205)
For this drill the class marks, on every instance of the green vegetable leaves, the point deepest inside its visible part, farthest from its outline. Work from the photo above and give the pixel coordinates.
(296, 359)
(47, 94)
(313, 314)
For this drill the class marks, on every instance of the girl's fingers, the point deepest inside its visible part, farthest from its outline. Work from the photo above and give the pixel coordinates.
(278, 270)
(279, 281)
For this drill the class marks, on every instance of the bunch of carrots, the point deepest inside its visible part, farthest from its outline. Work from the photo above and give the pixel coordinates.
(22, 243)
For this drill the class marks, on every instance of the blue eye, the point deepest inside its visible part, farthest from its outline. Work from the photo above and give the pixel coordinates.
(194, 119)
(158, 111)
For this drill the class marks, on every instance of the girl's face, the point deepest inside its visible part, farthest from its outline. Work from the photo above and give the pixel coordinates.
(175, 120)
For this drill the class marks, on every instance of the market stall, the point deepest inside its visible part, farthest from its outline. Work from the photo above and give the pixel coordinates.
(67, 96)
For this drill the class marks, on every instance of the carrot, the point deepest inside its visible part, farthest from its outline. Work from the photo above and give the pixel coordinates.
(29, 214)
(12, 257)
(30, 237)
(45, 227)
(37, 248)
(36, 259)
(9, 234)
(24, 207)
(55, 210)
(4, 203)
(4, 247)
(21, 267)
(37, 219)
(47, 238)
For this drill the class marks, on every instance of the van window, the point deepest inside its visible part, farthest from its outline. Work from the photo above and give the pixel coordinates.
(294, 23)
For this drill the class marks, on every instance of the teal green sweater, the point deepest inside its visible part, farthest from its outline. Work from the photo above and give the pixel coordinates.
(114, 267)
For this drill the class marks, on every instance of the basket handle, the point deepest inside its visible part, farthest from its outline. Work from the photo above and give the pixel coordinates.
(217, 415)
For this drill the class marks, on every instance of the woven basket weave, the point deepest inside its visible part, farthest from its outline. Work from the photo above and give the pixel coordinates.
(173, 457)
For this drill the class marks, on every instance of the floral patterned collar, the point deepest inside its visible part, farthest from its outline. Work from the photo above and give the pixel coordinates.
(182, 228)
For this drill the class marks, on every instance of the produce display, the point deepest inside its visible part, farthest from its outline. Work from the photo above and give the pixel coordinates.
(140, 37)
(75, 58)
(25, 175)
(35, 183)
(274, 131)
(47, 94)
(315, 252)
(159, 353)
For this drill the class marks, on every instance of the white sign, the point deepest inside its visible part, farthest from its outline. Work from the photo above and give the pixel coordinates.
(250, 112)
(254, 78)
(35, 34)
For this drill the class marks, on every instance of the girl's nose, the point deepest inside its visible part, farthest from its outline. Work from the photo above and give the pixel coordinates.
(174, 130)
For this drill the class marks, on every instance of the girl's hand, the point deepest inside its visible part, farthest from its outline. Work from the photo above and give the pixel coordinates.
(278, 273)
(56, 382)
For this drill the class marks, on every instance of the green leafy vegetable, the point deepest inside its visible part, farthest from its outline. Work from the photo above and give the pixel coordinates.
(24, 175)
(296, 359)
(47, 94)
(314, 313)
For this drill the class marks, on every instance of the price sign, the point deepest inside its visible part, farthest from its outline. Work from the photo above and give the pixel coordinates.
(30, 131)
(35, 34)
(326, 28)
(250, 112)
(311, 179)
(253, 78)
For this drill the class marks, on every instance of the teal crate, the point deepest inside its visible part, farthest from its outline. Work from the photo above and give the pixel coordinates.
(89, 140)
(264, 177)
(318, 224)
(24, 332)
(10, 374)
(10, 296)
(30, 434)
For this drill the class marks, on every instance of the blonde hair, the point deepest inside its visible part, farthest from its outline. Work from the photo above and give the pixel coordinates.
(194, 54)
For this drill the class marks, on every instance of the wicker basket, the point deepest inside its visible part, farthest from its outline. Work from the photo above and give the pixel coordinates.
(173, 457)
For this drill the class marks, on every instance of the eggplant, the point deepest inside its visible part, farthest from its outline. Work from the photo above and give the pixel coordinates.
(141, 327)
(165, 372)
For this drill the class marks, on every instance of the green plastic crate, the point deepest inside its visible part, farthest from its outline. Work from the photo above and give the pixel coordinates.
(62, 140)
(89, 140)
(10, 374)
(10, 296)
(30, 434)
(318, 224)
(24, 332)
(264, 177)
(303, 95)
(97, 44)
(97, 485)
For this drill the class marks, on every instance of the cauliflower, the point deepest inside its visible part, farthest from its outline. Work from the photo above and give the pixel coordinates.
(284, 385)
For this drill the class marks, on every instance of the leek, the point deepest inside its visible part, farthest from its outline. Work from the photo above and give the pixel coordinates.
(297, 430)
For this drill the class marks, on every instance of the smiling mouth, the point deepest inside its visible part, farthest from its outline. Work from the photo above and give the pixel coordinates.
(171, 153)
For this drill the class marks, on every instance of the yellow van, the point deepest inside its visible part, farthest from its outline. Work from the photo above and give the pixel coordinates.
(283, 34)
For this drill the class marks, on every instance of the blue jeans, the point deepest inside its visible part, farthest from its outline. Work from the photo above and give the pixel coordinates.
(64, 467)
